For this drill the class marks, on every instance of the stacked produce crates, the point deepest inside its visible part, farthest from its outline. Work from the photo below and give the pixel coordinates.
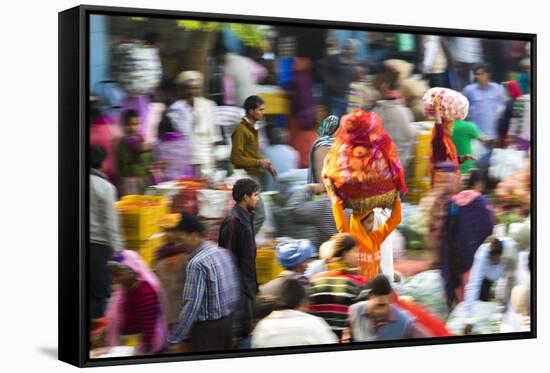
(267, 267)
(139, 219)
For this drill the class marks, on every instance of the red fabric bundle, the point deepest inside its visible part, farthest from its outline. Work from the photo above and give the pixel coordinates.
(363, 162)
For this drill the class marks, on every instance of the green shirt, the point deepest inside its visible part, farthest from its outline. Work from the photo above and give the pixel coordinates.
(132, 162)
(463, 134)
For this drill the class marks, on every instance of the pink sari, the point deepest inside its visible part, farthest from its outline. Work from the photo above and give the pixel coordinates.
(115, 308)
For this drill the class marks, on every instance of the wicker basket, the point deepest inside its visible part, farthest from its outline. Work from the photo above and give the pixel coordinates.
(366, 204)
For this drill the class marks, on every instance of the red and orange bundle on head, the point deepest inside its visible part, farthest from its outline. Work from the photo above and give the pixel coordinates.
(363, 163)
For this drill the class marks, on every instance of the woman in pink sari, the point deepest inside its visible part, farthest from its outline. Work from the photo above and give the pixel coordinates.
(104, 133)
(137, 306)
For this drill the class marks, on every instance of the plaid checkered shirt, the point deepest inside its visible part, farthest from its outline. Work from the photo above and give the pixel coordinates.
(211, 289)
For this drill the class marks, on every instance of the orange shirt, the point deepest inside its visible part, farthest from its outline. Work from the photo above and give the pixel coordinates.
(369, 243)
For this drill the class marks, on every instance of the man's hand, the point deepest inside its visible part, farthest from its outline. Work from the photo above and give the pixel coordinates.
(396, 277)
(467, 157)
(272, 171)
(346, 335)
(178, 348)
(264, 163)
(331, 191)
(316, 188)
(468, 329)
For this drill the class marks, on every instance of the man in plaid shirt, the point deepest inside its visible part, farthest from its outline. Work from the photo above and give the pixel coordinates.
(211, 291)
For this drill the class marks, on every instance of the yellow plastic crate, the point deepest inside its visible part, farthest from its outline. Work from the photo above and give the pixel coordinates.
(267, 267)
(147, 248)
(276, 103)
(141, 222)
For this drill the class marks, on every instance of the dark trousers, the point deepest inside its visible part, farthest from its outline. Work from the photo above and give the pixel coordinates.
(438, 80)
(212, 335)
(485, 291)
(243, 318)
(100, 279)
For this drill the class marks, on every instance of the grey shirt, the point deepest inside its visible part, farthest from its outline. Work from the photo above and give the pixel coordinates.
(397, 119)
(318, 213)
(104, 225)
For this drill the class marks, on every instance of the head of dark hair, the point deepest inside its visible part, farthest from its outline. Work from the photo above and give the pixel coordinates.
(129, 114)
(292, 295)
(388, 78)
(97, 156)
(252, 103)
(95, 110)
(277, 135)
(481, 66)
(343, 243)
(151, 38)
(263, 306)
(244, 187)
(165, 125)
(169, 91)
(380, 285)
(219, 47)
(495, 247)
(189, 223)
(476, 176)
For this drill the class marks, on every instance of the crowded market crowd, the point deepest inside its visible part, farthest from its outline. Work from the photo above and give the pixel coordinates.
(380, 192)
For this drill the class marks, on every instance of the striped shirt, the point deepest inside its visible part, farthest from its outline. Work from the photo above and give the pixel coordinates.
(331, 293)
(141, 310)
(211, 289)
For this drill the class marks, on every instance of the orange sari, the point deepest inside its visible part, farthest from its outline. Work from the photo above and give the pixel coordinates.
(443, 148)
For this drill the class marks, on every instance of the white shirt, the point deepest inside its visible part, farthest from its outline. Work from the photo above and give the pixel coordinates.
(386, 248)
(513, 321)
(481, 269)
(198, 125)
(434, 61)
(239, 69)
(467, 50)
(291, 328)
(104, 225)
(521, 126)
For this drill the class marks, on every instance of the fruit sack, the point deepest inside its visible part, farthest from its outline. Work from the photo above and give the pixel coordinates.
(453, 104)
(363, 163)
(137, 67)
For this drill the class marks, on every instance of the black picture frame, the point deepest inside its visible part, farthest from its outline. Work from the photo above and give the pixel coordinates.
(73, 182)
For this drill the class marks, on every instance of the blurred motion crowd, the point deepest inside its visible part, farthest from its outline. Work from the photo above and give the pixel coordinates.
(212, 226)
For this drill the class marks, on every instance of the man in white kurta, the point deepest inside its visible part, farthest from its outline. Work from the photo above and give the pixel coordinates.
(291, 324)
(194, 117)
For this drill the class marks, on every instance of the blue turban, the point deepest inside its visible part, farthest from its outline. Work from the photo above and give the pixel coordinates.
(292, 253)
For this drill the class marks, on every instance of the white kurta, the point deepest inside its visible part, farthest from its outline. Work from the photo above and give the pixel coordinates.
(291, 328)
(386, 248)
(200, 129)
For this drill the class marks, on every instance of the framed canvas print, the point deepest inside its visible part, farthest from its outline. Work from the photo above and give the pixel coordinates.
(235, 186)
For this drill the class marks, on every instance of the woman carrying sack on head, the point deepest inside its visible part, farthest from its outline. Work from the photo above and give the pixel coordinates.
(361, 226)
(445, 105)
